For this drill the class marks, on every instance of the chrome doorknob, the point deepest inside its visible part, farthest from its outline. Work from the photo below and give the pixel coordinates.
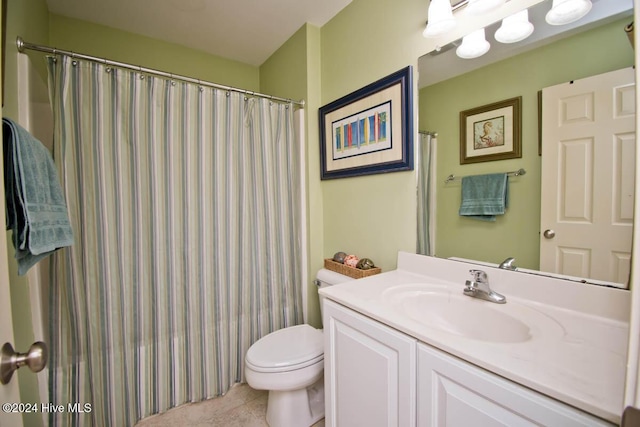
(10, 360)
(549, 234)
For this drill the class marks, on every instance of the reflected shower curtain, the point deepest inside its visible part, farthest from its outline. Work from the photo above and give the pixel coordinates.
(184, 201)
(426, 150)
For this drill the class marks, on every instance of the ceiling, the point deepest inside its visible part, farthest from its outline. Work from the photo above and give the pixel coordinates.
(438, 66)
(248, 31)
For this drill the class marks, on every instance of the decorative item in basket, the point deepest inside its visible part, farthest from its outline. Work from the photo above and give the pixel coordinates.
(365, 264)
(353, 272)
(351, 261)
(339, 257)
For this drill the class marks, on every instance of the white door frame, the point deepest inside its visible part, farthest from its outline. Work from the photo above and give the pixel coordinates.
(9, 393)
(632, 388)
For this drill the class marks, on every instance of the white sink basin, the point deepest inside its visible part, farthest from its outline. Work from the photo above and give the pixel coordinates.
(437, 307)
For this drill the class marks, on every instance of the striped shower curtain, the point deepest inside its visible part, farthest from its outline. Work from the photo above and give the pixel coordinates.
(425, 211)
(184, 202)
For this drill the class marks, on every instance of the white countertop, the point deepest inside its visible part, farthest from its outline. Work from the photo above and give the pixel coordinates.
(577, 353)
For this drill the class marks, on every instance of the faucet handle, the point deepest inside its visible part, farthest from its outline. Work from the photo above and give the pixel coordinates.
(508, 264)
(479, 276)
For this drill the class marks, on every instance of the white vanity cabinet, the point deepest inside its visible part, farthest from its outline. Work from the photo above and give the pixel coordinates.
(452, 392)
(378, 376)
(370, 371)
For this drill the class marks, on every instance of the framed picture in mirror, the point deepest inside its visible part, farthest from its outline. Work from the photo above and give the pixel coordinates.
(370, 130)
(491, 132)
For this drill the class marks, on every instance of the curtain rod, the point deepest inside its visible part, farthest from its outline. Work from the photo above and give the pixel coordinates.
(22, 45)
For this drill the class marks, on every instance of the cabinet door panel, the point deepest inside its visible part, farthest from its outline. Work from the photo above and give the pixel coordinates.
(454, 393)
(455, 404)
(369, 371)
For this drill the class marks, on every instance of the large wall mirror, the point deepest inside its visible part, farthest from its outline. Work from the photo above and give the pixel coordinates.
(598, 43)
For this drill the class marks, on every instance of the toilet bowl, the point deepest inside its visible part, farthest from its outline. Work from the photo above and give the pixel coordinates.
(290, 364)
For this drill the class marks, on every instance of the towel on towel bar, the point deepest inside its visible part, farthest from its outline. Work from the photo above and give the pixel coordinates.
(484, 196)
(36, 209)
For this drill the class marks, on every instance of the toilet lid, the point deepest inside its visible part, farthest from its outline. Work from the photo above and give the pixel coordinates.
(287, 349)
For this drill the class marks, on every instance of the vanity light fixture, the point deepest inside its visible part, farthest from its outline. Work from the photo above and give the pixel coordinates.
(473, 45)
(440, 14)
(440, 17)
(567, 11)
(478, 7)
(515, 28)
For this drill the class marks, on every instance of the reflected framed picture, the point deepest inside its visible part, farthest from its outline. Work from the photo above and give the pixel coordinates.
(370, 130)
(491, 132)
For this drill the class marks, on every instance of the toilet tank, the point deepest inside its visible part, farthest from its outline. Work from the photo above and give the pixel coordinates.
(326, 278)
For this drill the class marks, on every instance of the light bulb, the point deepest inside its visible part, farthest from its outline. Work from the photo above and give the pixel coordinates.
(440, 19)
(515, 28)
(567, 11)
(473, 45)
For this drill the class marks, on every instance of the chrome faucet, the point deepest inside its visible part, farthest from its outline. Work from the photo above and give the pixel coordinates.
(479, 288)
(508, 264)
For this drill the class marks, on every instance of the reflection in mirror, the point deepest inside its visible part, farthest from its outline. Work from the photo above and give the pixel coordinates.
(449, 85)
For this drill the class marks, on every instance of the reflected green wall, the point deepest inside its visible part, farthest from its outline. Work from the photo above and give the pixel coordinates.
(515, 234)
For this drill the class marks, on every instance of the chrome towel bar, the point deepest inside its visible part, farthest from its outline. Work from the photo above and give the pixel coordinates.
(512, 173)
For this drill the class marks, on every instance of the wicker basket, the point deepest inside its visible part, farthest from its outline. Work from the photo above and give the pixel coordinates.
(354, 273)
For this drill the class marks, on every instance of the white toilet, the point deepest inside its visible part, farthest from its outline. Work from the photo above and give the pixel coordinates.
(290, 364)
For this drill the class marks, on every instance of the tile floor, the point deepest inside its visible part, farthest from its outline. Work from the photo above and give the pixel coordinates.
(242, 406)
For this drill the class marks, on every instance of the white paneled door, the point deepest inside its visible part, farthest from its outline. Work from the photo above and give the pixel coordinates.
(588, 163)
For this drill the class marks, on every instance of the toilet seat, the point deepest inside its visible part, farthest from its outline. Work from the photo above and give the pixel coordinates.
(287, 349)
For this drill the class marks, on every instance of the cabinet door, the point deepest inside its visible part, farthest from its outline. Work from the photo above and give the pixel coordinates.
(455, 393)
(369, 371)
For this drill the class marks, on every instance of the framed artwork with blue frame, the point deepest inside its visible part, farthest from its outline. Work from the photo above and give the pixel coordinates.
(369, 131)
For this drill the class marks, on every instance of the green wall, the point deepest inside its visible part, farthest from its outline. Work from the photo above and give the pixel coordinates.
(104, 42)
(371, 216)
(293, 72)
(30, 20)
(516, 233)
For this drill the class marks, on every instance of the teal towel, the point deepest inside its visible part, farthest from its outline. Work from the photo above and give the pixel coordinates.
(36, 209)
(484, 196)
